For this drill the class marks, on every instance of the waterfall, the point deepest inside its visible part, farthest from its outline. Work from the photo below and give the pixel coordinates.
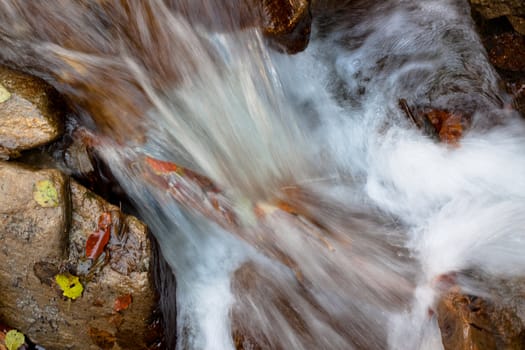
(329, 218)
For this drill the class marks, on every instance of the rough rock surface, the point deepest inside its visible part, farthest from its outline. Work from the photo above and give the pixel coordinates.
(288, 23)
(497, 8)
(518, 22)
(506, 52)
(513, 9)
(30, 113)
(491, 323)
(41, 239)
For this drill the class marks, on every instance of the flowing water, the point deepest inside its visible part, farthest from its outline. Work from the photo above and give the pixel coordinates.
(381, 213)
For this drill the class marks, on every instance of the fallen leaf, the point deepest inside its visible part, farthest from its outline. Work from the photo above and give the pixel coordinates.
(4, 94)
(448, 125)
(14, 339)
(98, 240)
(102, 338)
(122, 302)
(45, 194)
(451, 129)
(70, 285)
(116, 320)
(286, 207)
(161, 167)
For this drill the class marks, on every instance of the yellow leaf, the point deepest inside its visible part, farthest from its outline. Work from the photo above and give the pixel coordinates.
(45, 194)
(14, 339)
(70, 285)
(4, 94)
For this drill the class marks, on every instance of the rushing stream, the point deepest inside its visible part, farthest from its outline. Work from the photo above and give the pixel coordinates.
(378, 213)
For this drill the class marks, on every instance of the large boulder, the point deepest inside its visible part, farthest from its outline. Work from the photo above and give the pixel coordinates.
(46, 220)
(30, 113)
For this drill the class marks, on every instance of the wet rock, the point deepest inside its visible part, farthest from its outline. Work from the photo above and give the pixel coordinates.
(43, 229)
(29, 113)
(507, 51)
(126, 269)
(76, 155)
(497, 8)
(288, 23)
(516, 88)
(469, 322)
(518, 23)
(29, 232)
(513, 9)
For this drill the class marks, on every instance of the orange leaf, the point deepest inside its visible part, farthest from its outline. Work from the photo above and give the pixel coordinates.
(448, 125)
(160, 166)
(98, 240)
(286, 207)
(122, 302)
(102, 338)
(116, 319)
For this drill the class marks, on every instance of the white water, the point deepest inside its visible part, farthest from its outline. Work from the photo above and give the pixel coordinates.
(258, 122)
(398, 209)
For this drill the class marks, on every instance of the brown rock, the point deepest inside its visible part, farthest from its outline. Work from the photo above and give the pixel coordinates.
(514, 10)
(288, 23)
(518, 23)
(497, 8)
(40, 241)
(472, 323)
(29, 113)
(507, 51)
(29, 233)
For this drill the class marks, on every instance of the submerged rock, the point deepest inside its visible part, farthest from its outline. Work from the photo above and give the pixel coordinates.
(45, 222)
(30, 113)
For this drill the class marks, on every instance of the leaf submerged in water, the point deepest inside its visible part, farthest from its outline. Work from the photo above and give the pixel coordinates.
(162, 167)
